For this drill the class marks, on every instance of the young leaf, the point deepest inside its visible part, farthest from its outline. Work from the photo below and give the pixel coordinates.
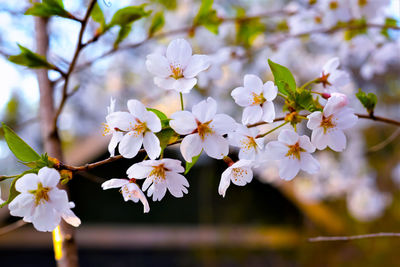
(122, 34)
(13, 192)
(157, 23)
(18, 146)
(48, 8)
(166, 137)
(305, 100)
(207, 17)
(189, 165)
(163, 118)
(389, 22)
(30, 59)
(367, 100)
(128, 15)
(98, 16)
(284, 79)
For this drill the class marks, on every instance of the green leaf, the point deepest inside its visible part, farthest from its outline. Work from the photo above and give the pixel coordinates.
(355, 27)
(284, 79)
(305, 100)
(207, 17)
(13, 192)
(189, 165)
(18, 146)
(389, 22)
(163, 118)
(157, 23)
(30, 59)
(247, 30)
(98, 16)
(128, 15)
(48, 8)
(367, 100)
(166, 137)
(122, 34)
(168, 4)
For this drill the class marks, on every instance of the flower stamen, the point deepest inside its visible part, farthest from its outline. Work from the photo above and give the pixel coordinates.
(327, 123)
(203, 129)
(294, 151)
(177, 72)
(41, 194)
(258, 99)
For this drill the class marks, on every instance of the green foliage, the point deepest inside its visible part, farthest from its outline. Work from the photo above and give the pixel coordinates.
(304, 100)
(207, 17)
(48, 8)
(122, 34)
(98, 16)
(18, 147)
(389, 22)
(168, 4)
(157, 23)
(189, 165)
(13, 192)
(127, 15)
(30, 59)
(356, 27)
(166, 137)
(163, 118)
(284, 79)
(367, 100)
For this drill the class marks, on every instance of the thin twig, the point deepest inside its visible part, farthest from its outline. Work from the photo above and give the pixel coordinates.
(384, 143)
(11, 227)
(352, 237)
(73, 62)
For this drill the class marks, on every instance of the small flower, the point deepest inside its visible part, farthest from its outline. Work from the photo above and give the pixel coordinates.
(110, 129)
(41, 202)
(178, 68)
(160, 175)
(204, 129)
(139, 125)
(335, 11)
(327, 126)
(331, 78)
(294, 153)
(129, 190)
(369, 9)
(245, 139)
(257, 98)
(239, 173)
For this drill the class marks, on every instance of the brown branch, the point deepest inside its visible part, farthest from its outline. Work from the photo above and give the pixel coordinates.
(377, 118)
(384, 143)
(12, 227)
(352, 237)
(67, 75)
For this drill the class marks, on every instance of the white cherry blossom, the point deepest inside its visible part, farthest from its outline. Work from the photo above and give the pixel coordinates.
(369, 9)
(331, 78)
(129, 190)
(41, 202)
(327, 126)
(239, 173)
(139, 124)
(178, 68)
(335, 11)
(257, 98)
(294, 153)
(110, 129)
(204, 129)
(160, 175)
(245, 139)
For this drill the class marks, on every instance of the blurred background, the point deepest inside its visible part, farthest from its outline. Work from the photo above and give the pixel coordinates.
(265, 223)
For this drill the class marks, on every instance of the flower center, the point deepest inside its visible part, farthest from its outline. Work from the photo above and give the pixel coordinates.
(158, 173)
(106, 129)
(139, 128)
(324, 79)
(238, 173)
(41, 194)
(362, 3)
(294, 151)
(258, 99)
(333, 5)
(177, 72)
(203, 129)
(318, 19)
(249, 143)
(327, 123)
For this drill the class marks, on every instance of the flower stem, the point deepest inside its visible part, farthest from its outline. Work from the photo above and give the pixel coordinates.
(309, 83)
(182, 106)
(270, 131)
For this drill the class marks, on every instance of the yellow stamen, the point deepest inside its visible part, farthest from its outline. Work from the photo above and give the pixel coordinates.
(203, 129)
(362, 3)
(333, 5)
(258, 99)
(248, 143)
(177, 72)
(41, 194)
(327, 123)
(106, 129)
(238, 173)
(294, 151)
(158, 173)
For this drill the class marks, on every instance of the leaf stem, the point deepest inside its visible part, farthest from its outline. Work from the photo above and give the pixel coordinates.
(309, 83)
(272, 130)
(182, 106)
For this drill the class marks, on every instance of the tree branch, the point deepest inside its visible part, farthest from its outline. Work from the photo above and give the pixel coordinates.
(352, 237)
(11, 227)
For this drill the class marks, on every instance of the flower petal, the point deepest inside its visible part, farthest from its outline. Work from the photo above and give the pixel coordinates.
(196, 64)
(27, 183)
(49, 177)
(191, 146)
(252, 114)
(268, 112)
(139, 171)
(115, 139)
(158, 65)
(288, 137)
(337, 140)
(205, 110)
(183, 122)
(319, 139)
(114, 183)
(276, 150)
(179, 53)
(253, 83)
(242, 96)
(152, 145)
(176, 183)
(289, 168)
(331, 65)
(173, 165)
(314, 120)
(270, 91)
(241, 176)
(225, 182)
(152, 122)
(137, 109)
(216, 146)
(184, 85)
(305, 143)
(308, 163)
(120, 120)
(70, 217)
(130, 145)
(223, 124)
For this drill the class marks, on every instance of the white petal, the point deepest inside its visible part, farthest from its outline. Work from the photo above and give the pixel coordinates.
(173, 165)
(339, 78)
(165, 83)
(184, 85)
(27, 183)
(179, 53)
(45, 219)
(216, 146)
(319, 139)
(223, 124)
(120, 120)
(305, 143)
(158, 65)
(22, 205)
(289, 168)
(288, 137)
(276, 150)
(268, 112)
(205, 110)
(241, 176)
(196, 64)
(115, 139)
(314, 120)
(49, 177)
(176, 183)
(114, 183)
(242, 96)
(152, 122)
(130, 145)
(253, 83)
(252, 114)
(139, 171)
(308, 163)
(158, 191)
(137, 109)
(270, 91)
(337, 140)
(331, 65)
(147, 183)
(346, 119)
(225, 181)
(191, 146)
(70, 217)
(183, 122)
(152, 145)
